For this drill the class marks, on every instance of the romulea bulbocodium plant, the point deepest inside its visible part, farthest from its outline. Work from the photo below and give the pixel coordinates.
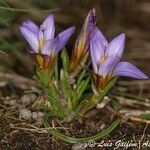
(65, 88)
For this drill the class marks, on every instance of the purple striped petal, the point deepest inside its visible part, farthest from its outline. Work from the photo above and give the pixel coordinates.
(116, 46)
(87, 30)
(89, 23)
(48, 27)
(49, 46)
(31, 26)
(89, 26)
(128, 70)
(63, 38)
(107, 66)
(99, 41)
(31, 38)
(97, 45)
(82, 45)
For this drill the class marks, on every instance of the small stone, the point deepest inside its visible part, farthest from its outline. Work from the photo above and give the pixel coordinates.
(103, 103)
(10, 102)
(38, 117)
(28, 98)
(25, 114)
(102, 126)
(79, 146)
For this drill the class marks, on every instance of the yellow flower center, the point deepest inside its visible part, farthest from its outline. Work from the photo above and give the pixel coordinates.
(41, 44)
(102, 59)
(39, 60)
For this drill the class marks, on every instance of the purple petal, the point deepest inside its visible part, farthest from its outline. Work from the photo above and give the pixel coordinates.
(41, 38)
(41, 35)
(82, 45)
(128, 70)
(94, 60)
(97, 45)
(108, 65)
(87, 30)
(100, 40)
(30, 26)
(50, 46)
(48, 28)
(116, 46)
(89, 25)
(31, 38)
(63, 37)
(90, 22)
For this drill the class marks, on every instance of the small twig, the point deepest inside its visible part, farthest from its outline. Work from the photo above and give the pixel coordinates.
(130, 102)
(36, 129)
(3, 106)
(144, 132)
(130, 96)
(134, 115)
(20, 82)
(134, 83)
(33, 130)
(133, 112)
(140, 120)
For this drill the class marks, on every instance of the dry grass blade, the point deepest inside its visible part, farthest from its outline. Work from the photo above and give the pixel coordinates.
(133, 103)
(33, 128)
(20, 82)
(134, 115)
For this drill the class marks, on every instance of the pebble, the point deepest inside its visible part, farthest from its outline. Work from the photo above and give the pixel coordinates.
(79, 146)
(28, 98)
(11, 102)
(25, 114)
(38, 117)
(103, 103)
(31, 116)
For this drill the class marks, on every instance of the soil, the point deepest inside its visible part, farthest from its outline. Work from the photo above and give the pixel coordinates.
(20, 133)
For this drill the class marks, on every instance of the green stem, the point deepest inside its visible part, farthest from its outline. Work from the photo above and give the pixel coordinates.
(88, 104)
(69, 139)
(56, 70)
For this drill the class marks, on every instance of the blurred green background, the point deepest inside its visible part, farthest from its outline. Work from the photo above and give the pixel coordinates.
(114, 16)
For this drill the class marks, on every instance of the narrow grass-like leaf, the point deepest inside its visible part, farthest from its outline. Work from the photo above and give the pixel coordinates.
(56, 70)
(145, 116)
(65, 86)
(82, 75)
(3, 2)
(92, 101)
(56, 107)
(65, 60)
(82, 87)
(44, 77)
(69, 139)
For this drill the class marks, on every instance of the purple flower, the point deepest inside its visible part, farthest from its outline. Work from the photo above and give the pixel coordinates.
(82, 45)
(106, 60)
(42, 41)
